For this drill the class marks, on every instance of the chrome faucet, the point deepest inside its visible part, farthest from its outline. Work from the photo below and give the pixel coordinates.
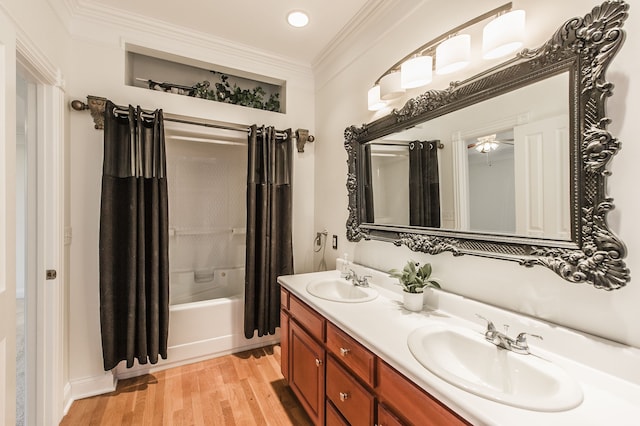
(518, 345)
(362, 281)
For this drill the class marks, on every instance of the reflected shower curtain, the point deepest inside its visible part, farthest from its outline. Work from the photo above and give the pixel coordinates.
(269, 242)
(134, 261)
(424, 184)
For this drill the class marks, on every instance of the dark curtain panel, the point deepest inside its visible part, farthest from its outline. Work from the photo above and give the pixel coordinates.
(134, 258)
(368, 187)
(424, 184)
(269, 242)
(416, 210)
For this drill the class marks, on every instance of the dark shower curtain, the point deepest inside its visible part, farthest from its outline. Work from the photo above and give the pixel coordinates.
(134, 261)
(424, 184)
(269, 243)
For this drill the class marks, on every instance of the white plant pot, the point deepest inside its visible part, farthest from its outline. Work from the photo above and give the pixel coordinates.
(431, 297)
(413, 301)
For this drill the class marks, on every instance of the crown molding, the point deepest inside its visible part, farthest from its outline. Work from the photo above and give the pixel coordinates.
(361, 34)
(353, 28)
(85, 17)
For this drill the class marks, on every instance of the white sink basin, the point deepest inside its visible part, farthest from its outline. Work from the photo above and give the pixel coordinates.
(340, 290)
(465, 359)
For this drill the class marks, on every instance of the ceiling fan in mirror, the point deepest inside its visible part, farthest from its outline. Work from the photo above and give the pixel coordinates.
(488, 143)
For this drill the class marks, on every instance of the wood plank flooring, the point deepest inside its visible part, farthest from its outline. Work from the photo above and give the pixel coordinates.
(246, 388)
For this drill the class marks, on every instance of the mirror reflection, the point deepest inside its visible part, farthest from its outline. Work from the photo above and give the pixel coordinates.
(500, 166)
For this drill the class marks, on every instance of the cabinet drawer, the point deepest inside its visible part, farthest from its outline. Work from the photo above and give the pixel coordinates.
(351, 353)
(284, 298)
(333, 417)
(350, 397)
(307, 318)
(386, 418)
(396, 391)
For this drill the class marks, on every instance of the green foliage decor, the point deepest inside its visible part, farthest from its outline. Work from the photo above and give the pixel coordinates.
(224, 92)
(413, 277)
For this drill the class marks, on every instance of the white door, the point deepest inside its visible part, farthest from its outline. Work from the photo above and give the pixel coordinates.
(7, 221)
(541, 152)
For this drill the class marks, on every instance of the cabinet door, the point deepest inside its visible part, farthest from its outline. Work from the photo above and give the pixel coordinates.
(306, 371)
(284, 345)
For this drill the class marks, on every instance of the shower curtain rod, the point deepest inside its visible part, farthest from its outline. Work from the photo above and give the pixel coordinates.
(96, 106)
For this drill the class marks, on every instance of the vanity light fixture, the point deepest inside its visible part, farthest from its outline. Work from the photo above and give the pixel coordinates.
(298, 19)
(416, 72)
(501, 36)
(453, 54)
(390, 86)
(373, 97)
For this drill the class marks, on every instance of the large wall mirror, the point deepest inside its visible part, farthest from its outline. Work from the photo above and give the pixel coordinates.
(508, 164)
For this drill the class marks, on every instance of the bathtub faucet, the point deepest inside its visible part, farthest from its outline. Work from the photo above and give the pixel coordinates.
(362, 281)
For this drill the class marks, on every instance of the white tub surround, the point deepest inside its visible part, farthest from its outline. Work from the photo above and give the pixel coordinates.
(606, 371)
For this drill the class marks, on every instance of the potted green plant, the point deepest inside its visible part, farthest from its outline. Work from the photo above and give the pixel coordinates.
(414, 279)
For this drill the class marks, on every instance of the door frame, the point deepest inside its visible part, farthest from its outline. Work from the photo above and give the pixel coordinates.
(7, 220)
(50, 342)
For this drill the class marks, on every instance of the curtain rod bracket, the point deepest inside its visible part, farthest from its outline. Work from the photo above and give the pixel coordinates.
(302, 137)
(96, 106)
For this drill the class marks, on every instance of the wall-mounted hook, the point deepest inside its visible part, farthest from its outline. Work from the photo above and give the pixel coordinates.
(302, 137)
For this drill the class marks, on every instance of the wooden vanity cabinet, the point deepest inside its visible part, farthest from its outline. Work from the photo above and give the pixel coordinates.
(409, 402)
(340, 382)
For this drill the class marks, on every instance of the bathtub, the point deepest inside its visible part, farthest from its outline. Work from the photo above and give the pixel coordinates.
(205, 329)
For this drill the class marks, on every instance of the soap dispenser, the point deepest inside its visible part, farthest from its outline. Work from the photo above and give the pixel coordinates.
(344, 273)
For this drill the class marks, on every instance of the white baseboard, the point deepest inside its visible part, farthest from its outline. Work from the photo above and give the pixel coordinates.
(67, 400)
(92, 386)
(196, 352)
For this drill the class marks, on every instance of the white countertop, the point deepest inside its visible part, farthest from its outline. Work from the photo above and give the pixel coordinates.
(383, 325)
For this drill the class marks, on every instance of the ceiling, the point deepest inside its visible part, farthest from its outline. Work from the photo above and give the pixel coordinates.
(259, 24)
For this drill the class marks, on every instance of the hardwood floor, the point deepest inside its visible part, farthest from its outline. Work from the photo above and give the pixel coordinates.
(240, 389)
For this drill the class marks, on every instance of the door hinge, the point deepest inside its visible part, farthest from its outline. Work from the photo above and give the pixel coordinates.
(51, 274)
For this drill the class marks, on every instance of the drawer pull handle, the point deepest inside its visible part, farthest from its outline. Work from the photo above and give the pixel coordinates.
(318, 362)
(344, 396)
(344, 351)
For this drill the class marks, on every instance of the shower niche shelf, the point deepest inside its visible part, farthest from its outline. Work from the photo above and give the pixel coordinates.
(161, 71)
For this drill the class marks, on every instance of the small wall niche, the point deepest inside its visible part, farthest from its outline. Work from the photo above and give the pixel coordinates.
(161, 71)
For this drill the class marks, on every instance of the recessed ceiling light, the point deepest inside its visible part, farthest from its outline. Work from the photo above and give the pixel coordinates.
(297, 18)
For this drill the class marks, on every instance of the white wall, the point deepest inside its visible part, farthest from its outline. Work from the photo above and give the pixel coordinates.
(341, 88)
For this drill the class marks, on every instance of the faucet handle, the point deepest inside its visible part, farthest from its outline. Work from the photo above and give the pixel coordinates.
(364, 280)
(521, 346)
(522, 337)
(490, 326)
(351, 274)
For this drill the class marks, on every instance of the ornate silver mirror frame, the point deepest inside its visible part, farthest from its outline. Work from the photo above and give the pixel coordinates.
(583, 46)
